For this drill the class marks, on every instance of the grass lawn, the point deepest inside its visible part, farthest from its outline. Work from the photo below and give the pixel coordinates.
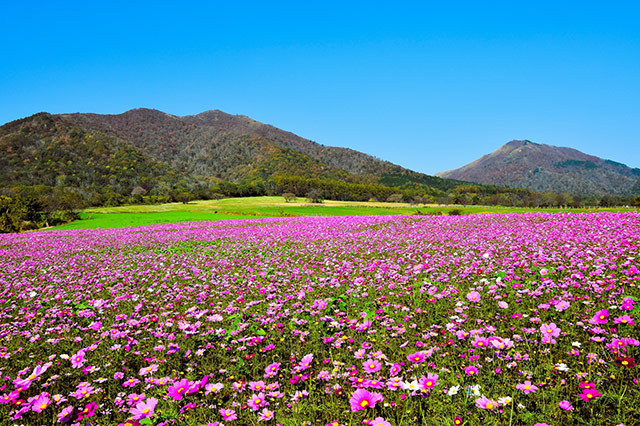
(274, 206)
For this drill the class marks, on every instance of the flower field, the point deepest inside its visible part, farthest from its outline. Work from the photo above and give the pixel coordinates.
(445, 320)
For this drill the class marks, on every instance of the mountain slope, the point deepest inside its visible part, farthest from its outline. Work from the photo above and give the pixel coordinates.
(200, 144)
(149, 153)
(541, 168)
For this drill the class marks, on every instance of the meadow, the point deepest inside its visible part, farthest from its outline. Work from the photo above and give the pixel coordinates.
(275, 206)
(524, 319)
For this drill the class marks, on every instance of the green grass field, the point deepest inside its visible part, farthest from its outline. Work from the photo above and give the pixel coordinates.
(253, 207)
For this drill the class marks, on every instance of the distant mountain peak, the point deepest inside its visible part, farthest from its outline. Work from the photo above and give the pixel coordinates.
(542, 168)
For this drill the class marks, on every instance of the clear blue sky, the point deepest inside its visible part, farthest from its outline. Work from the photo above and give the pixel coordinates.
(427, 85)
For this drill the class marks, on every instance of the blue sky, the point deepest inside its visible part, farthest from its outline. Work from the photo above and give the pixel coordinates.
(427, 85)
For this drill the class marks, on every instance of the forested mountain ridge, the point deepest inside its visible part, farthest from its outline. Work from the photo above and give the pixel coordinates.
(148, 153)
(201, 143)
(541, 168)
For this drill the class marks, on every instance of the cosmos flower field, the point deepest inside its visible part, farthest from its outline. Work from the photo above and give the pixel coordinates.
(479, 320)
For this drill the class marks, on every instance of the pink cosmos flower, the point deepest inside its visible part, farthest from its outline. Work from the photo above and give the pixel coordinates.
(600, 317)
(624, 319)
(177, 390)
(227, 414)
(566, 405)
(305, 362)
(486, 403)
(371, 366)
(589, 394)
(143, 409)
(257, 386)
(527, 387)
(324, 375)
(130, 382)
(471, 370)
(77, 359)
(65, 415)
(473, 296)
(480, 342)
(265, 415)
(257, 401)
(89, 410)
(41, 402)
(395, 369)
(562, 306)
(148, 370)
(550, 330)
(417, 357)
(379, 421)
(362, 399)
(430, 381)
(271, 370)
(134, 399)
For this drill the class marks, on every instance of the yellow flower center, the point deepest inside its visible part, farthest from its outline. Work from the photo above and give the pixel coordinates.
(549, 330)
(257, 401)
(43, 406)
(625, 362)
(489, 406)
(364, 403)
(527, 387)
(145, 411)
(429, 383)
(589, 395)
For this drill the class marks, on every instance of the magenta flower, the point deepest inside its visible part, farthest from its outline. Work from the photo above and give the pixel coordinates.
(395, 369)
(148, 370)
(143, 409)
(41, 402)
(480, 342)
(589, 394)
(89, 410)
(177, 390)
(430, 381)
(471, 370)
(362, 399)
(474, 296)
(624, 319)
(134, 399)
(527, 387)
(486, 403)
(371, 366)
(417, 357)
(65, 415)
(379, 421)
(257, 401)
(265, 415)
(130, 382)
(257, 386)
(227, 414)
(566, 405)
(77, 359)
(305, 362)
(271, 370)
(550, 330)
(600, 317)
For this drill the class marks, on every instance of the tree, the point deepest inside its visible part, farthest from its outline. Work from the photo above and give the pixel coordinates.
(183, 197)
(289, 197)
(394, 198)
(315, 196)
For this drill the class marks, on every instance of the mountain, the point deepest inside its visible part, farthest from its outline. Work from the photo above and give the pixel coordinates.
(542, 168)
(152, 153)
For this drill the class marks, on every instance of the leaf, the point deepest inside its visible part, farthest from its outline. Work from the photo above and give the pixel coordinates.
(146, 421)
